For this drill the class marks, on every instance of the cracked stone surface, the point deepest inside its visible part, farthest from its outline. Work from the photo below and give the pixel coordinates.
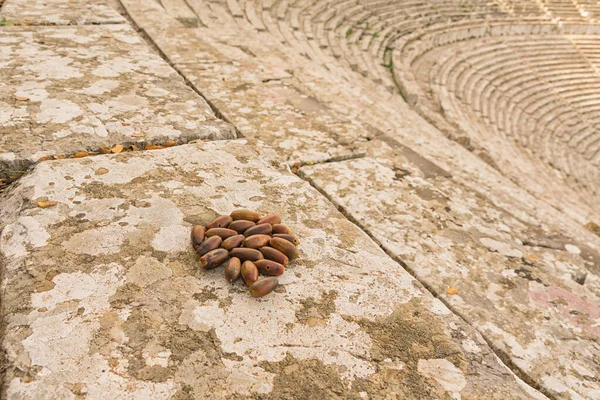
(102, 296)
(515, 282)
(58, 12)
(69, 89)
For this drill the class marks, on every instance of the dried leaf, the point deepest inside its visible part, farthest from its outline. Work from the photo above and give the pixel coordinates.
(21, 98)
(125, 123)
(452, 290)
(117, 148)
(170, 143)
(104, 150)
(45, 158)
(59, 157)
(81, 154)
(153, 147)
(46, 203)
(101, 171)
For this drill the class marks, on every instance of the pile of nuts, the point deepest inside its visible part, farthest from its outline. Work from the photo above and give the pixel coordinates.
(248, 245)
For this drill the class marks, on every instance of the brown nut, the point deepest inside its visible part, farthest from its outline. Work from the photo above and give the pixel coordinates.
(233, 269)
(290, 238)
(270, 219)
(275, 255)
(263, 287)
(209, 244)
(262, 229)
(256, 241)
(221, 221)
(241, 225)
(213, 258)
(197, 235)
(281, 228)
(249, 272)
(268, 267)
(285, 247)
(246, 254)
(224, 233)
(232, 242)
(245, 214)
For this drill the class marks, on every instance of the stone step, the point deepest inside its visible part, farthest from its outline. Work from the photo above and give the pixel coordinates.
(58, 12)
(106, 298)
(261, 98)
(519, 297)
(65, 90)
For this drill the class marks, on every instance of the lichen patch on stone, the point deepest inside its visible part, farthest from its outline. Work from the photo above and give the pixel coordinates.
(115, 300)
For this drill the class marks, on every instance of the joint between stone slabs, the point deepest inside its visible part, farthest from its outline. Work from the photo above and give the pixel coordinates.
(502, 356)
(148, 39)
(15, 170)
(296, 165)
(6, 22)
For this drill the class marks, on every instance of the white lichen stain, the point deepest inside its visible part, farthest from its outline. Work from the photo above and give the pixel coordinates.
(115, 67)
(572, 249)
(49, 67)
(58, 111)
(500, 247)
(6, 112)
(26, 231)
(100, 87)
(443, 372)
(438, 308)
(470, 346)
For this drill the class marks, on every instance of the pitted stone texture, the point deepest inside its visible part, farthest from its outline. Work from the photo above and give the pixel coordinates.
(102, 295)
(59, 12)
(70, 89)
(515, 282)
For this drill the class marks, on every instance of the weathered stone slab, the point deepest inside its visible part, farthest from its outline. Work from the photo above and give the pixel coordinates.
(533, 296)
(59, 12)
(102, 296)
(252, 88)
(69, 89)
(266, 105)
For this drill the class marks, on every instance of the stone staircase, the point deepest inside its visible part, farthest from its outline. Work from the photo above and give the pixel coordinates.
(424, 271)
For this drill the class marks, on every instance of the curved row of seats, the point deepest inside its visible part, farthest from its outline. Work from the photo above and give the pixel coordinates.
(540, 92)
(525, 71)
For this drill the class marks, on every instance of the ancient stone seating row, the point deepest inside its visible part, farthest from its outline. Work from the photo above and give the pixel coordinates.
(570, 81)
(538, 92)
(560, 69)
(374, 37)
(522, 7)
(357, 34)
